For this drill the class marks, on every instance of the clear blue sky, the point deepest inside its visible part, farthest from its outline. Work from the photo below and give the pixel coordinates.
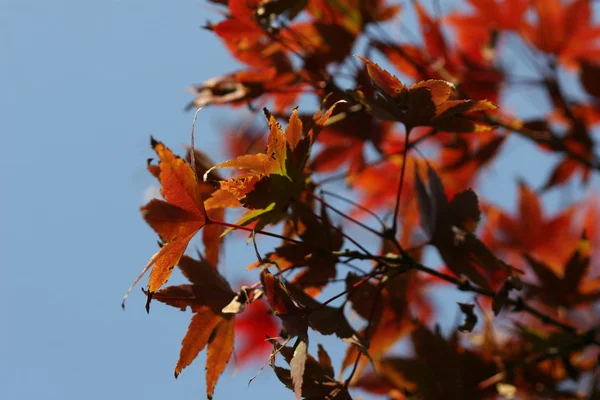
(82, 87)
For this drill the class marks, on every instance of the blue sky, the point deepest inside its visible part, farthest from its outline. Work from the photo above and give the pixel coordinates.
(82, 87)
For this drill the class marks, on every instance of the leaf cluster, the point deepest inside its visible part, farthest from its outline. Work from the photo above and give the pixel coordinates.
(384, 169)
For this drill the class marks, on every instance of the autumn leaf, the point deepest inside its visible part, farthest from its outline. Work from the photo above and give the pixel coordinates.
(574, 35)
(176, 219)
(210, 327)
(219, 315)
(572, 287)
(211, 233)
(426, 103)
(321, 43)
(271, 181)
(242, 87)
(328, 320)
(440, 369)
(346, 141)
(318, 380)
(295, 323)
(450, 226)
(549, 240)
(353, 15)
(487, 16)
(241, 23)
(414, 147)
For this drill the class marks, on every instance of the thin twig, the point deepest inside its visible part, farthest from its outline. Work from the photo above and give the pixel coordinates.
(192, 155)
(399, 193)
(342, 214)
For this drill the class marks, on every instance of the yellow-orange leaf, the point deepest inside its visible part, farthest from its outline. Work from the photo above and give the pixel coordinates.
(176, 220)
(218, 354)
(293, 132)
(196, 338)
(178, 180)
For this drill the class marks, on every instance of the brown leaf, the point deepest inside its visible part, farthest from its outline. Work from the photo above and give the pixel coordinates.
(298, 364)
(451, 225)
(325, 361)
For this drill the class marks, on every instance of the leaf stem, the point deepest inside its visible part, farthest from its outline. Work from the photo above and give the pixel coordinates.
(401, 184)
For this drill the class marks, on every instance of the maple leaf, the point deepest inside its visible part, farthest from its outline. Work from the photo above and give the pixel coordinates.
(295, 323)
(272, 180)
(242, 22)
(425, 103)
(207, 295)
(211, 233)
(569, 289)
(345, 141)
(488, 16)
(283, 304)
(353, 15)
(320, 44)
(578, 141)
(549, 240)
(564, 29)
(328, 320)
(469, 63)
(450, 226)
(318, 376)
(462, 158)
(531, 343)
(297, 311)
(440, 369)
(176, 219)
(241, 87)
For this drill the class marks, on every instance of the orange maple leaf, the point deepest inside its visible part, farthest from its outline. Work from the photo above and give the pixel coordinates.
(426, 103)
(176, 219)
(207, 296)
(272, 180)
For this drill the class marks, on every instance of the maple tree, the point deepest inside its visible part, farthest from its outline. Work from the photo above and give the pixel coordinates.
(368, 165)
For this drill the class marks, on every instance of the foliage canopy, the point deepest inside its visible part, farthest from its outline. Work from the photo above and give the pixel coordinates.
(406, 130)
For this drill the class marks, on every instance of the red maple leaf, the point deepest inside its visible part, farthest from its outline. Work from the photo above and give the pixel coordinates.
(549, 240)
